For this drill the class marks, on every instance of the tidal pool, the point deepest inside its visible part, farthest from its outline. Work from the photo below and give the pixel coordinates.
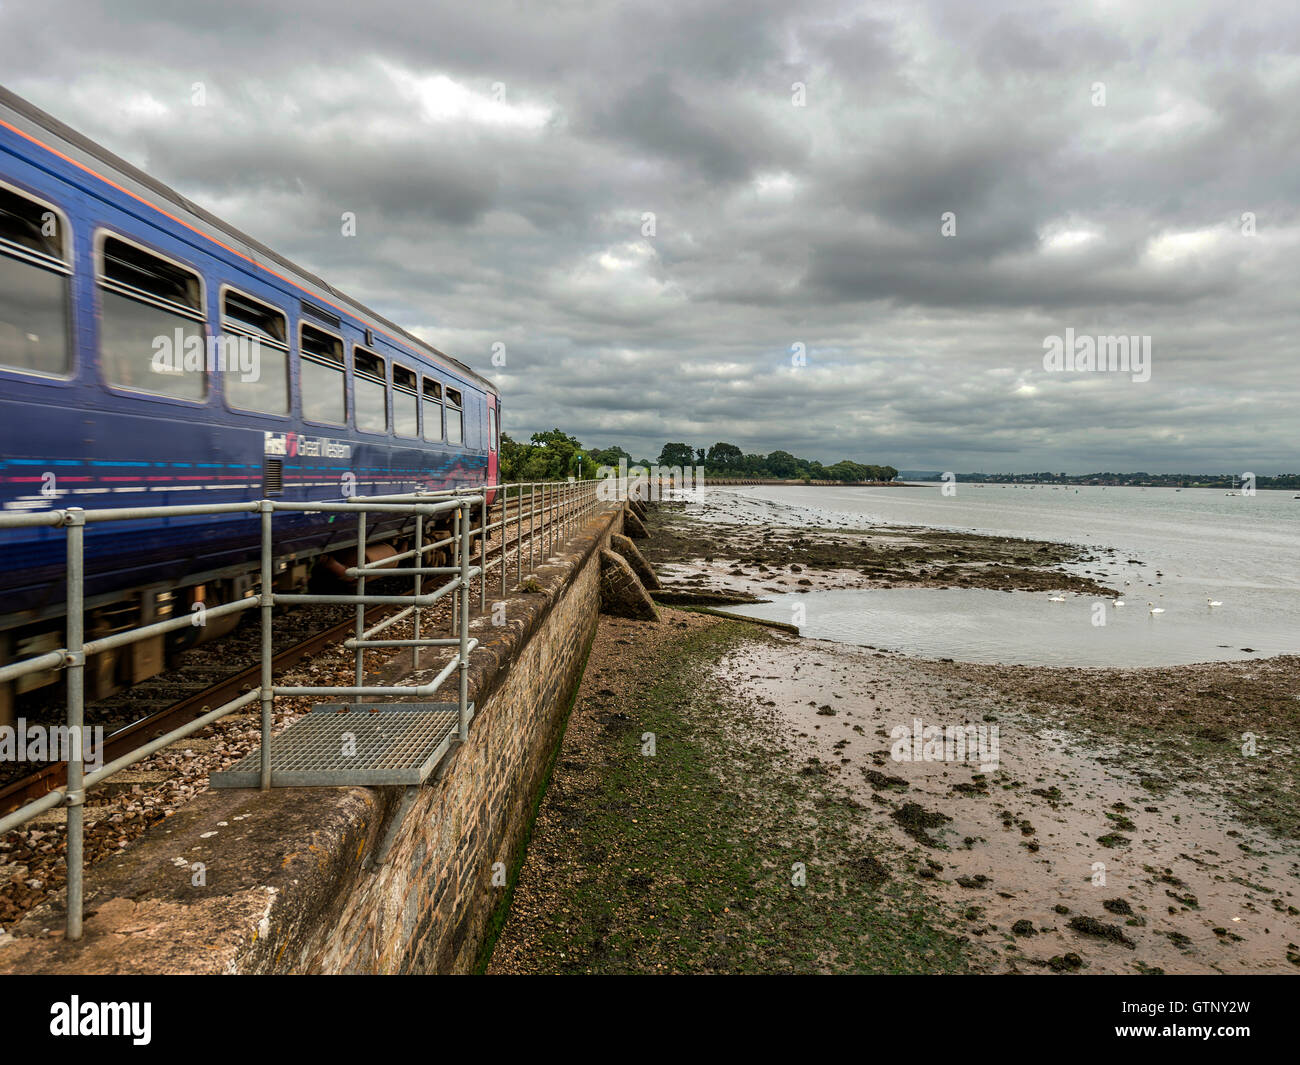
(1028, 628)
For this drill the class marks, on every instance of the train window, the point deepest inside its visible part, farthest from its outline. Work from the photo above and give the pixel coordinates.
(455, 418)
(370, 391)
(34, 288)
(492, 428)
(151, 327)
(256, 354)
(432, 410)
(324, 389)
(406, 403)
(253, 318)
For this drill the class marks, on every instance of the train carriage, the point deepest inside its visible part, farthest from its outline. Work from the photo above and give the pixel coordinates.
(151, 355)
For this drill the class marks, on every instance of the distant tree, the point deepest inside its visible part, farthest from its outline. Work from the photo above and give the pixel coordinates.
(609, 456)
(682, 455)
(782, 464)
(513, 457)
(553, 455)
(546, 457)
(844, 470)
(556, 455)
(725, 456)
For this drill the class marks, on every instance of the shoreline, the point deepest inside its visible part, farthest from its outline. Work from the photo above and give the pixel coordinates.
(735, 545)
(1122, 829)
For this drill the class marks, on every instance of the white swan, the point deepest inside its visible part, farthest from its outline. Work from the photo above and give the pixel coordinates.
(1119, 602)
(1153, 609)
(1213, 602)
(1056, 599)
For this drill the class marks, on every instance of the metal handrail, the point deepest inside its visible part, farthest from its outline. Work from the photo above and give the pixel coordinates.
(551, 509)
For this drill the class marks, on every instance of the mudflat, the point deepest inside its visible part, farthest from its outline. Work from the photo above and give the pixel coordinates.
(733, 798)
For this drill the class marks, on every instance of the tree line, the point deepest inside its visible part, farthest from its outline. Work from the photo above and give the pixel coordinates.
(556, 455)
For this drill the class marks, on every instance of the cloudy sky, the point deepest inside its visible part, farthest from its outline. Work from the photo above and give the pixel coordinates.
(656, 206)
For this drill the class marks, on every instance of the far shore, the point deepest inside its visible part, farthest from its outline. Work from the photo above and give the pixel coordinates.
(800, 483)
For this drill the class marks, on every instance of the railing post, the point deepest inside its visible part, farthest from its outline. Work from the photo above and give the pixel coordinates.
(361, 590)
(504, 526)
(483, 553)
(532, 525)
(75, 664)
(268, 602)
(456, 562)
(519, 533)
(419, 583)
(464, 623)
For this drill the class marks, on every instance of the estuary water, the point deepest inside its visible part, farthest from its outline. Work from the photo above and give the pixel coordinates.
(1175, 549)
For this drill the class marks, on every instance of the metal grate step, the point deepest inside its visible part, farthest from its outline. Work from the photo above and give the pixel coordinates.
(353, 743)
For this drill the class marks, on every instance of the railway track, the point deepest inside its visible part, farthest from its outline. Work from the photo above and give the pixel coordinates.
(17, 792)
(138, 733)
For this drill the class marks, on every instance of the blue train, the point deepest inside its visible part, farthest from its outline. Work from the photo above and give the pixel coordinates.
(151, 354)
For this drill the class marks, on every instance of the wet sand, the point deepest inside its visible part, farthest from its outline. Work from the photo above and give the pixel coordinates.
(711, 549)
(1068, 826)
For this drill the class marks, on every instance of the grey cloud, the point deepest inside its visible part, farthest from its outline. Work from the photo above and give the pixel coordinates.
(776, 224)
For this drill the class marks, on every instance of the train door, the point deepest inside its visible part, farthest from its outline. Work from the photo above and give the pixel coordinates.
(494, 448)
